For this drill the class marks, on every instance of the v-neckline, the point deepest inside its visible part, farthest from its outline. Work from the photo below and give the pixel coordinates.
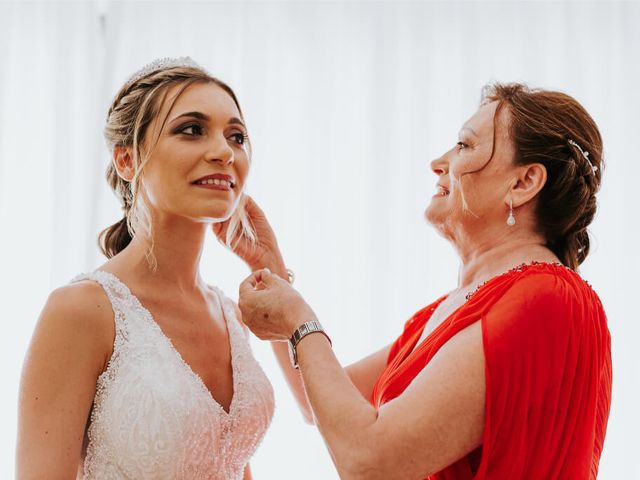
(421, 342)
(197, 378)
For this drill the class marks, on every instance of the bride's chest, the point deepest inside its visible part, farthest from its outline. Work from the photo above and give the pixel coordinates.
(152, 404)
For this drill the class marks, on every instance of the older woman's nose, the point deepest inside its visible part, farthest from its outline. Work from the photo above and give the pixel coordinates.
(440, 166)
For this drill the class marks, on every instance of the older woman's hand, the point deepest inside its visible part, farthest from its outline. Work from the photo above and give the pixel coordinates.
(264, 253)
(271, 308)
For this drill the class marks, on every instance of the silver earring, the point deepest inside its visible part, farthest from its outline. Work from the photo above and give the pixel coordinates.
(511, 220)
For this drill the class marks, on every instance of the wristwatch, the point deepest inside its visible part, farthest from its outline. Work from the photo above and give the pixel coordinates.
(301, 332)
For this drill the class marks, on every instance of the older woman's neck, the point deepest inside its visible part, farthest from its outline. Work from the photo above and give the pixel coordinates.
(483, 260)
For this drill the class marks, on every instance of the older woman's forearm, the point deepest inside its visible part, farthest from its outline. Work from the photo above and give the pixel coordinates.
(275, 263)
(343, 416)
(293, 379)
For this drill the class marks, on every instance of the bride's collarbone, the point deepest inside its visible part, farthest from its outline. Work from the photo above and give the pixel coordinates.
(185, 312)
(198, 330)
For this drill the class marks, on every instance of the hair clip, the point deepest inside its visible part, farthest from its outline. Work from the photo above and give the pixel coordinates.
(585, 154)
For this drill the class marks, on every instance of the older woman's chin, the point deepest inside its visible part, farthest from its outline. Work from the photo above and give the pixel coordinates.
(441, 222)
(433, 216)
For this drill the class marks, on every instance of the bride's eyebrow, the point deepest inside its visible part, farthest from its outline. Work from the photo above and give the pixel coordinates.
(198, 115)
(236, 121)
(206, 118)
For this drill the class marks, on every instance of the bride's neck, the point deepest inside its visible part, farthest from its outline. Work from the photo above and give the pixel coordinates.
(170, 259)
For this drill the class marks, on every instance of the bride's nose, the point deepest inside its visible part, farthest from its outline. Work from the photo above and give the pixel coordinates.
(220, 151)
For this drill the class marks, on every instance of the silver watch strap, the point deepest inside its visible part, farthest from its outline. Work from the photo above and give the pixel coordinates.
(304, 330)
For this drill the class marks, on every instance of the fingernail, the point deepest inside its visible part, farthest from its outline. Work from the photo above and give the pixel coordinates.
(266, 270)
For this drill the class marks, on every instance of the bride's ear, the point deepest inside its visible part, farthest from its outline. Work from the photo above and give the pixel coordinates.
(123, 163)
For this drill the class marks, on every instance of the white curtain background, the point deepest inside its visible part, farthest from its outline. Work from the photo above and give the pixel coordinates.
(346, 103)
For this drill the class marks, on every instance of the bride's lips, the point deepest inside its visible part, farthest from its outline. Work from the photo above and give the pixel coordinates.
(216, 181)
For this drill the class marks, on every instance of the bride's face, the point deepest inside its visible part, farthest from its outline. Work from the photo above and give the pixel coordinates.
(198, 167)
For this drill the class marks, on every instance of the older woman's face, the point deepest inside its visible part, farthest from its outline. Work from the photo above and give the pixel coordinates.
(473, 185)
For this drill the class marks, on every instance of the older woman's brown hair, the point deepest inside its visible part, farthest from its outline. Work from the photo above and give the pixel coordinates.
(553, 129)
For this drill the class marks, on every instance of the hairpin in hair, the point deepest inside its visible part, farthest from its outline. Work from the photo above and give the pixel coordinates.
(163, 64)
(585, 154)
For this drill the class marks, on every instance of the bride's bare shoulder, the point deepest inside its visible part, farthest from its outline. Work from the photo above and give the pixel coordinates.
(84, 300)
(79, 312)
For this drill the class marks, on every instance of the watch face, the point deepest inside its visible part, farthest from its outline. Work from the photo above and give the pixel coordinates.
(292, 356)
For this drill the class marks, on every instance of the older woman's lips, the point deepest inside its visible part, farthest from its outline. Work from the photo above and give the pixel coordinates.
(441, 192)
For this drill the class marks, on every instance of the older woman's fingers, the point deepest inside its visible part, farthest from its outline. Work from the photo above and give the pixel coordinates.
(271, 279)
(250, 283)
(252, 207)
(263, 278)
(220, 230)
(268, 278)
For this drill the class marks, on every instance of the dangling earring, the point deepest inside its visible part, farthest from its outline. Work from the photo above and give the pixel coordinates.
(511, 220)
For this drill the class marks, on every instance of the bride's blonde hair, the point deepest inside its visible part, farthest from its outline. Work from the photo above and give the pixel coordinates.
(133, 109)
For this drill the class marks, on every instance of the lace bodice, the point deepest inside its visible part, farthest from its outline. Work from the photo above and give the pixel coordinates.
(153, 417)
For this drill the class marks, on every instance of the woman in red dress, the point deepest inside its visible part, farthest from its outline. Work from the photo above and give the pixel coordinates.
(509, 375)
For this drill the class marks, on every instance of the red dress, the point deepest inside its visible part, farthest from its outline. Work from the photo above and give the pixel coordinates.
(548, 374)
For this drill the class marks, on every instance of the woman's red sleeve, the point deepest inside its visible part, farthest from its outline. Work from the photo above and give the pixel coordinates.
(548, 379)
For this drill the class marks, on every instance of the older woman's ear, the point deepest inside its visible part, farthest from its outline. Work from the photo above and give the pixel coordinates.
(529, 182)
(123, 163)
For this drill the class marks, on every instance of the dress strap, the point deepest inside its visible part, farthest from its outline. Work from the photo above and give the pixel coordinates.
(117, 292)
(228, 307)
(238, 332)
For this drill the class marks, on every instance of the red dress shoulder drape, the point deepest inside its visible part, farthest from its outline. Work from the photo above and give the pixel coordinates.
(548, 374)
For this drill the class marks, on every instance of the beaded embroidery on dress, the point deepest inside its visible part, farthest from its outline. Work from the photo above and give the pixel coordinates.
(153, 417)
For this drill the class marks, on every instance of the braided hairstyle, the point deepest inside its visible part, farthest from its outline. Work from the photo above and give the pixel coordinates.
(553, 129)
(133, 109)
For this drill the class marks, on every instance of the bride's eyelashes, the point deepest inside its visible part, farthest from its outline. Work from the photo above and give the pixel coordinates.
(239, 137)
(190, 129)
(196, 130)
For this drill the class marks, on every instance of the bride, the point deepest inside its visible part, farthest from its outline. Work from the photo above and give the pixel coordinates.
(140, 369)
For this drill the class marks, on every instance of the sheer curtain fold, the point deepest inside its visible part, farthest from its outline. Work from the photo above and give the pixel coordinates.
(346, 103)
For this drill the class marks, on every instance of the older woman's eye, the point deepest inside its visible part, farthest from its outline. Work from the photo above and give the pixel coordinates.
(192, 130)
(461, 145)
(239, 138)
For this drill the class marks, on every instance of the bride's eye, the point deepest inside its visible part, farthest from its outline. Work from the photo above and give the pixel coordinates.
(239, 138)
(192, 130)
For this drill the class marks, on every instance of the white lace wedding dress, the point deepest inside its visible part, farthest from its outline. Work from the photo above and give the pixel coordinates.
(153, 417)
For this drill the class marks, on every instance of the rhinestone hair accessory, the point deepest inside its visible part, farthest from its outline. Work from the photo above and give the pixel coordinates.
(585, 154)
(163, 64)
